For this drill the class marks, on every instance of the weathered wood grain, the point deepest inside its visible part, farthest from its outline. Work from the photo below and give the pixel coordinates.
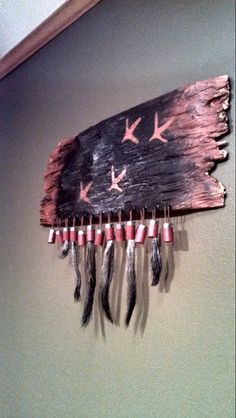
(156, 154)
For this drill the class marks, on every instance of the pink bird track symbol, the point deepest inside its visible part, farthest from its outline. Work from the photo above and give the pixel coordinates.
(129, 132)
(84, 191)
(158, 130)
(116, 180)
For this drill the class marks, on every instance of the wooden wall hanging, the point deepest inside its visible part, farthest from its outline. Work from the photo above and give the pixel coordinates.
(150, 161)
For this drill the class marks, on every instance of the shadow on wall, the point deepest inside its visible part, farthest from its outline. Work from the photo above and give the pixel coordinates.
(118, 288)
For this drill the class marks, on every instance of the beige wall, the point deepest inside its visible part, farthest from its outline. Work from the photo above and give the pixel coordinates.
(120, 54)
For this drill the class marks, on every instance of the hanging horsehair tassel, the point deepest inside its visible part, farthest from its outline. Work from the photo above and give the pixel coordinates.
(155, 260)
(168, 239)
(90, 271)
(107, 271)
(75, 262)
(66, 245)
(130, 271)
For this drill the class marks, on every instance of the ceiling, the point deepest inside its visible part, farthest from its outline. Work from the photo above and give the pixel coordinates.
(27, 25)
(20, 17)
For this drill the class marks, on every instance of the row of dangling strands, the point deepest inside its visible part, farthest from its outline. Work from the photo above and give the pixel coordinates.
(72, 239)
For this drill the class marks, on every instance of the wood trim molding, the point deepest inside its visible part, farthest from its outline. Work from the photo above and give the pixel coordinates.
(66, 14)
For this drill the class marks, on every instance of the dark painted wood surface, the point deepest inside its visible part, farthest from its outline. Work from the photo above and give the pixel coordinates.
(156, 154)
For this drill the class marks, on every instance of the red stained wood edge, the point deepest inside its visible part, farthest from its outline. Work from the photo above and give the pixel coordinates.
(214, 93)
(54, 168)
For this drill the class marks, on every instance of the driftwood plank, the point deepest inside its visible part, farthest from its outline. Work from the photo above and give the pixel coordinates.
(156, 154)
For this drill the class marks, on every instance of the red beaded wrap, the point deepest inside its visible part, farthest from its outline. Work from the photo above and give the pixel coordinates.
(51, 236)
(167, 232)
(99, 236)
(152, 228)
(59, 236)
(81, 238)
(73, 234)
(90, 233)
(66, 234)
(120, 233)
(109, 232)
(140, 234)
(130, 230)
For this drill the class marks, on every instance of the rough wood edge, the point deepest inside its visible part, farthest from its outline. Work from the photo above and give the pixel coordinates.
(55, 166)
(66, 14)
(60, 154)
